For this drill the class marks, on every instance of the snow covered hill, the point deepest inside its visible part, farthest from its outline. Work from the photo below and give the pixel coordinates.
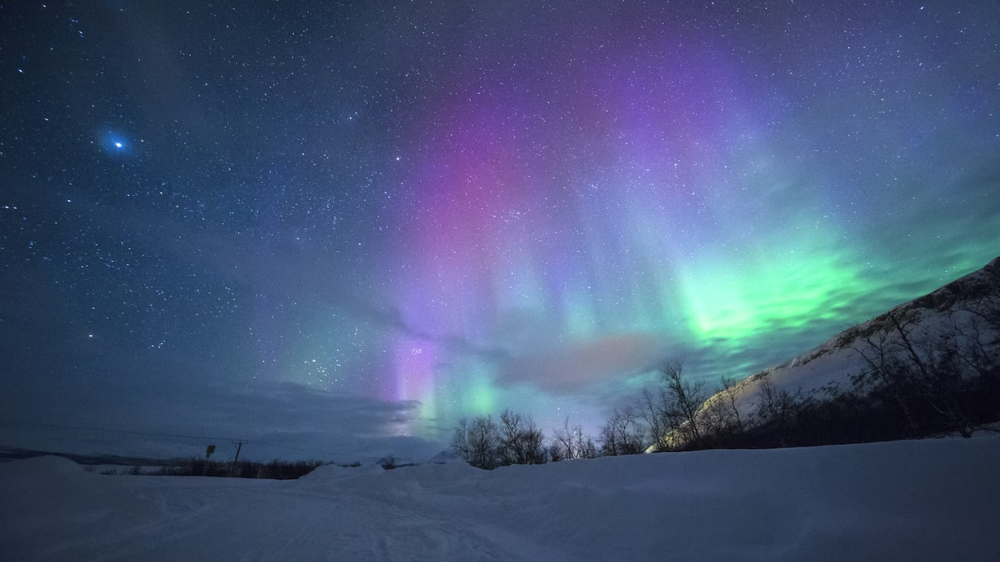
(830, 366)
(932, 500)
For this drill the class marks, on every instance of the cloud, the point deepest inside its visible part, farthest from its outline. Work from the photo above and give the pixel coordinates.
(344, 426)
(566, 368)
(283, 420)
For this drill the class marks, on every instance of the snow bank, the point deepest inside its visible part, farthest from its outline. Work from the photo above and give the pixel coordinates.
(333, 473)
(52, 501)
(918, 500)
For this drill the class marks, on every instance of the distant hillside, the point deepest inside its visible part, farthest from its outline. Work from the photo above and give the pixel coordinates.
(964, 314)
(14, 453)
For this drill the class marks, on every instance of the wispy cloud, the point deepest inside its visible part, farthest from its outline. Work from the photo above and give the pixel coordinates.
(570, 367)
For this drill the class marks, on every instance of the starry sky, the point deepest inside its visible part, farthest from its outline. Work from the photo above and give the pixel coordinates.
(342, 226)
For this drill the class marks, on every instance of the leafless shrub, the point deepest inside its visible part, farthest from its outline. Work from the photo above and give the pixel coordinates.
(622, 434)
(477, 442)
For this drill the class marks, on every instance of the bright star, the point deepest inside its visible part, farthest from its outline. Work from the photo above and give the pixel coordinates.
(116, 143)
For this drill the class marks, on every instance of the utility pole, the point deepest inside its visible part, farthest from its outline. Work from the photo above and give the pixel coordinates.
(240, 443)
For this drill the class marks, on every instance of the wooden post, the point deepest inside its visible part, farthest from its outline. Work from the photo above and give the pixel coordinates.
(240, 446)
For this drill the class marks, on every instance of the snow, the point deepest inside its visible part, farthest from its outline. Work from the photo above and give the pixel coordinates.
(916, 500)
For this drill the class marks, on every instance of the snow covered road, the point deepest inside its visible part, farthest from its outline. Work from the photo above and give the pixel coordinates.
(919, 500)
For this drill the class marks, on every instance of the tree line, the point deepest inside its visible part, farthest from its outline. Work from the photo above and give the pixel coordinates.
(276, 469)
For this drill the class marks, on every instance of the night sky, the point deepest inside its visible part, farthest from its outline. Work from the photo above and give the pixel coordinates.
(342, 226)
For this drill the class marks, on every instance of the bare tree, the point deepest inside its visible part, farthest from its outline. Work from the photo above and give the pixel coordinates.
(564, 440)
(985, 299)
(623, 434)
(573, 443)
(585, 445)
(885, 373)
(978, 349)
(521, 442)
(924, 376)
(729, 396)
(777, 409)
(460, 441)
(512, 449)
(684, 400)
(533, 444)
(478, 442)
(609, 438)
(555, 453)
(652, 410)
(720, 417)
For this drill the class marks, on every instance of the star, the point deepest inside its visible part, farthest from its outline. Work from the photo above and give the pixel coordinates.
(115, 142)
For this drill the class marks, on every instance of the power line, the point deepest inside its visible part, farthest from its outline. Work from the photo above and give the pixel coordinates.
(154, 434)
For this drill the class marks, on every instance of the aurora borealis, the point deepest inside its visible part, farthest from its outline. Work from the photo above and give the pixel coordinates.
(451, 208)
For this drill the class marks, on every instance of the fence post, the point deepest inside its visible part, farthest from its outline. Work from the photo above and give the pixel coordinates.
(240, 443)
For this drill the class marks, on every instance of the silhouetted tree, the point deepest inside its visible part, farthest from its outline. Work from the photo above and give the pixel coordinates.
(652, 410)
(572, 443)
(622, 434)
(521, 442)
(555, 452)
(477, 442)
(683, 402)
(721, 418)
(776, 409)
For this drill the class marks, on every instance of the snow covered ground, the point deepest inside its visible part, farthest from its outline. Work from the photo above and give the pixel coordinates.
(934, 500)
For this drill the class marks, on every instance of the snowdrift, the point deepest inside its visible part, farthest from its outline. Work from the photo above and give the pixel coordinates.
(918, 500)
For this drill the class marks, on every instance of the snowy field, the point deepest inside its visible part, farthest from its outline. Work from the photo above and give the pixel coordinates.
(934, 500)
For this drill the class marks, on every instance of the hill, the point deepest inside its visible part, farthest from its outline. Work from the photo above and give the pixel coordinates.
(944, 343)
(949, 311)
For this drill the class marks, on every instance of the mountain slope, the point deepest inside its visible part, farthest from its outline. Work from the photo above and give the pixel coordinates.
(967, 306)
